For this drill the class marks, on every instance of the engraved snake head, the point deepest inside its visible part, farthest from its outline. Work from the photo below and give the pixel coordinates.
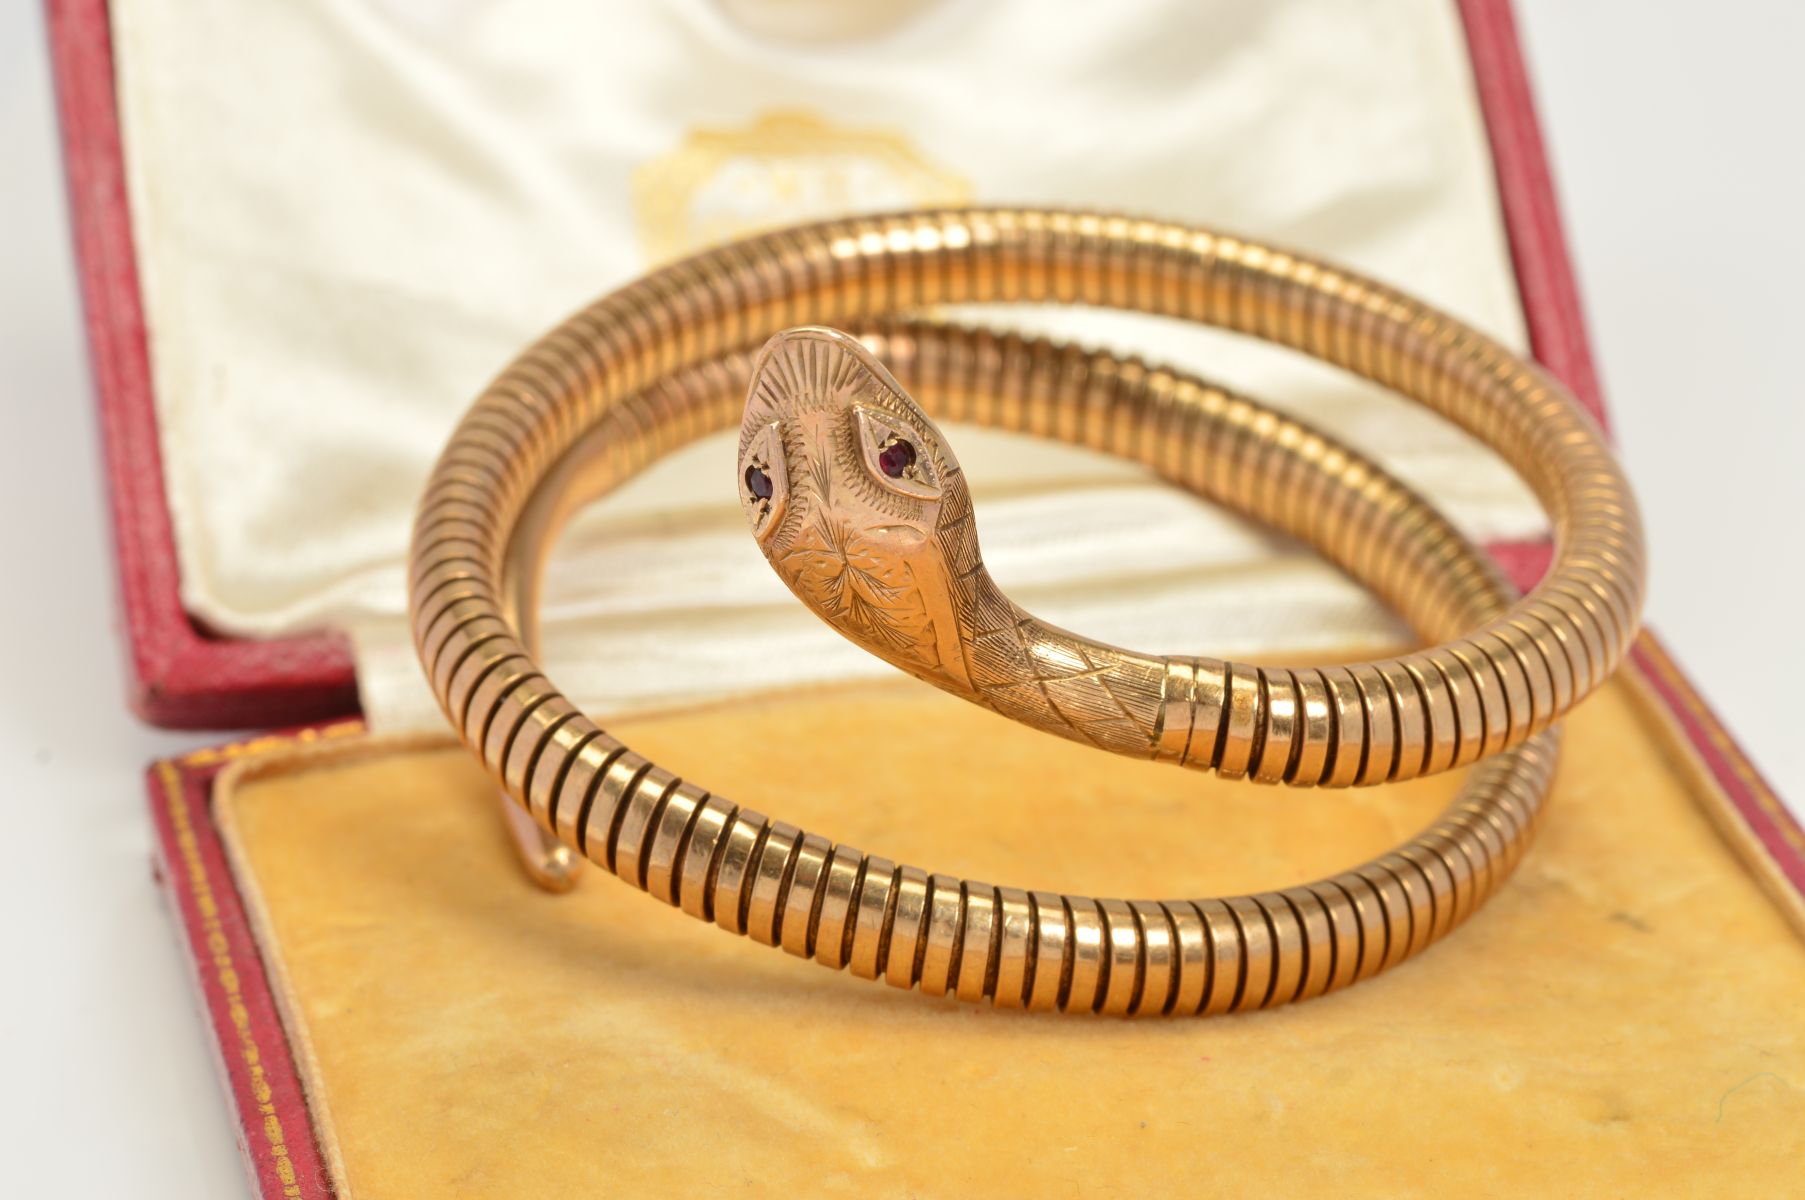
(846, 485)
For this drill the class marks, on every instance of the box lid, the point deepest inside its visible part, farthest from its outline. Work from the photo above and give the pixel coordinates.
(185, 674)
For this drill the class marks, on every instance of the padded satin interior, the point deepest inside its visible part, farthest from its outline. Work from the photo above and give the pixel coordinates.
(350, 213)
(1622, 1019)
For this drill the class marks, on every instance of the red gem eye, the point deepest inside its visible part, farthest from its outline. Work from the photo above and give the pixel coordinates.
(896, 458)
(758, 483)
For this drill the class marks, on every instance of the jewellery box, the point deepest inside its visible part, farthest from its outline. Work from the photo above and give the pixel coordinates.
(307, 234)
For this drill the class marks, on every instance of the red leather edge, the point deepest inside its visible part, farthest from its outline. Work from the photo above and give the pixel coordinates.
(1756, 803)
(276, 1132)
(1532, 220)
(181, 677)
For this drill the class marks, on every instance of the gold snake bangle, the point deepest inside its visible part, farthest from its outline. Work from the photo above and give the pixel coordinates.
(1032, 949)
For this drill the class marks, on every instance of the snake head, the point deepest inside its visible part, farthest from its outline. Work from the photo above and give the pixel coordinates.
(831, 442)
(848, 488)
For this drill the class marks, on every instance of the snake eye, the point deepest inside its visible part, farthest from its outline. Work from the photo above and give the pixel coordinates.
(895, 456)
(764, 482)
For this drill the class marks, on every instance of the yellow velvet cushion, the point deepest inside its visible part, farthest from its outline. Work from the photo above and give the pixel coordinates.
(1624, 1018)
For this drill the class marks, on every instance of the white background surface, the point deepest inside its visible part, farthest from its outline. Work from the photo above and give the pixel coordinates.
(1675, 139)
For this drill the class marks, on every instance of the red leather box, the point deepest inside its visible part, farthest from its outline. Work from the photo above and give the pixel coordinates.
(185, 676)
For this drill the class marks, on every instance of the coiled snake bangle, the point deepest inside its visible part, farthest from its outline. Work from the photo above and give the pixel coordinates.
(860, 505)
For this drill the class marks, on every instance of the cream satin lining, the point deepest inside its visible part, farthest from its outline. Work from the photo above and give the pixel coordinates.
(350, 213)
